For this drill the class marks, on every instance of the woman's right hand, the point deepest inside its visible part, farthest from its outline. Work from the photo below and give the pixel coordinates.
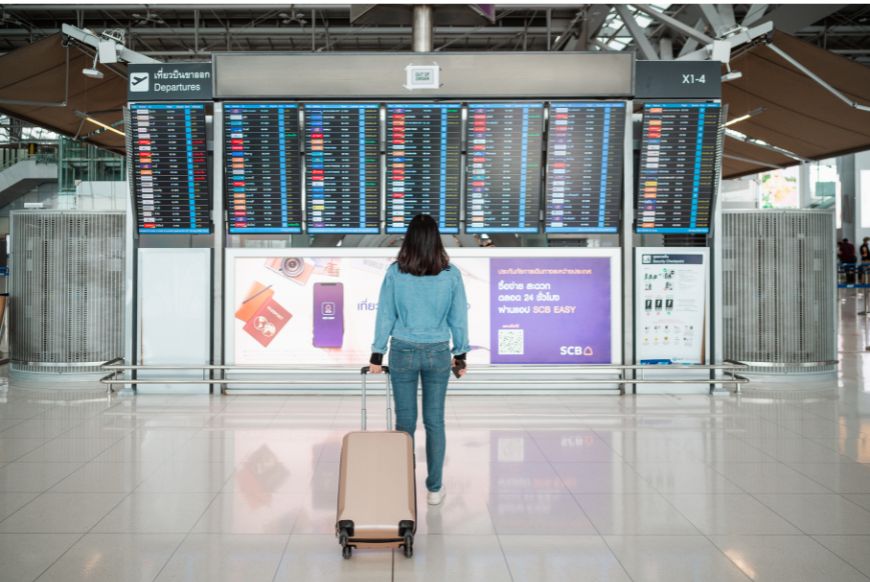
(461, 365)
(374, 369)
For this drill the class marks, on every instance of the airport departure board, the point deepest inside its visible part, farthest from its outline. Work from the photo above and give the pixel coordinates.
(677, 167)
(424, 162)
(342, 168)
(170, 168)
(262, 168)
(585, 145)
(503, 169)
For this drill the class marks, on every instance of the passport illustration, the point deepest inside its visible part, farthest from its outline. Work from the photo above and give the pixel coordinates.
(267, 321)
(254, 299)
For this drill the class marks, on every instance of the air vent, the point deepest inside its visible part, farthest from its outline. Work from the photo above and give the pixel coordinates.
(67, 290)
(779, 289)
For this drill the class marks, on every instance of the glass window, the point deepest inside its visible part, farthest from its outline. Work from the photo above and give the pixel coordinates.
(83, 162)
(779, 188)
(864, 193)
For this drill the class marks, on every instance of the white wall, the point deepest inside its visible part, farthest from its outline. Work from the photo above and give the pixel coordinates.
(88, 196)
(739, 193)
(101, 196)
(862, 196)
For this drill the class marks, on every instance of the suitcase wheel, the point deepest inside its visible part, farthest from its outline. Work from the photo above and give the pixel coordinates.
(409, 545)
(345, 530)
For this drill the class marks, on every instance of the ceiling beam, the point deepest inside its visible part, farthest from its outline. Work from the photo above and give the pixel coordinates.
(666, 49)
(674, 24)
(735, 40)
(165, 7)
(754, 14)
(714, 19)
(596, 14)
(640, 39)
(726, 12)
(570, 31)
(692, 44)
(791, 18)
(92, 40)
(736, 135)
(243, 31)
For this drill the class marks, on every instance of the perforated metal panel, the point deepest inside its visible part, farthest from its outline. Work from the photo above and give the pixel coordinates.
(67, 290)
(779, 288)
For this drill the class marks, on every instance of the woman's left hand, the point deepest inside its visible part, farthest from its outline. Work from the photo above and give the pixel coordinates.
(461, 365)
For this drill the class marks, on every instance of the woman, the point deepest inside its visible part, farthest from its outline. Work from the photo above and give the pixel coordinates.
(421, 305)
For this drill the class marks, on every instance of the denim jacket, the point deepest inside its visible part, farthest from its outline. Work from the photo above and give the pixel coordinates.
(422, 309)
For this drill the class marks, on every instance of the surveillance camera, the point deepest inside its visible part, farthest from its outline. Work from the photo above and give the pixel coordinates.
(732, 76)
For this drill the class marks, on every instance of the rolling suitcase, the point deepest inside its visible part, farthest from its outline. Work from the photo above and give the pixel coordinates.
(377, 493)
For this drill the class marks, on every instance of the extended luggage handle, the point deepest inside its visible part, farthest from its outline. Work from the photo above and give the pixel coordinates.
(364, 371)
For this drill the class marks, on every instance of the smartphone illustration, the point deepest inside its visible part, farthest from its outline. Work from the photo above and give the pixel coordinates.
(328, 315)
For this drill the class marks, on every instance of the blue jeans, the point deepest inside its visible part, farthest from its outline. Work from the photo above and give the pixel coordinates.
(409, 364)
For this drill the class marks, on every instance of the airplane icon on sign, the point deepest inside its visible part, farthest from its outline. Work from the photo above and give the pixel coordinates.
(139, 82)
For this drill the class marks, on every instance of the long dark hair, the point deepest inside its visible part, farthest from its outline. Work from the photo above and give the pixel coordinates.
(422, 252)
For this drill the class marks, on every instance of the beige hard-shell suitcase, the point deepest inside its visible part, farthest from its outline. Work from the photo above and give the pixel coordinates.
(377, 493)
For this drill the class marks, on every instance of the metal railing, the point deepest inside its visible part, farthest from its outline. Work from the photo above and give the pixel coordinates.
(545, 375)
(855, 276)
(11, 157)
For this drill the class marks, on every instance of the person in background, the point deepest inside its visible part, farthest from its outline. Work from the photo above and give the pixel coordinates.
(864, 256)
(865, 250)
(848, 258)
(421, 306)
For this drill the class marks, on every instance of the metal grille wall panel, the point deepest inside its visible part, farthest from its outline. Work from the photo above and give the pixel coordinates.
(67, 290)
(779, 289)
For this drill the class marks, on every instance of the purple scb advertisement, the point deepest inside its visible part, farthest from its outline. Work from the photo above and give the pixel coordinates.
(550, 311)
(328, 315)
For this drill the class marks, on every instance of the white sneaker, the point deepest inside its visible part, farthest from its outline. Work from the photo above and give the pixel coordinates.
(436, 497)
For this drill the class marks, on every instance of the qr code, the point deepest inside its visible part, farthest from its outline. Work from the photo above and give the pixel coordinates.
(510, 342)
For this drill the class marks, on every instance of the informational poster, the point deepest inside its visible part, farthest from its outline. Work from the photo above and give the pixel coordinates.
(671, 305)
(320, 310)
(550, 311)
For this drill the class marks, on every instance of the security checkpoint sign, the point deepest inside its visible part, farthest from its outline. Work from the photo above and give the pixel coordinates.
(671, 305)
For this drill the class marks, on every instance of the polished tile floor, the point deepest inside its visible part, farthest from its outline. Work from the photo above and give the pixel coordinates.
(772, 485)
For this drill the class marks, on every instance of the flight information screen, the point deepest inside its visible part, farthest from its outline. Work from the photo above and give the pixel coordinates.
(262, 168)
(585, 145)
(170, 168)
(424, 159)
(677, 167)
(342, 168)
(503, 170)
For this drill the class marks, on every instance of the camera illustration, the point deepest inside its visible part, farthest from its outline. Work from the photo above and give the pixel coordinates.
(296, 269)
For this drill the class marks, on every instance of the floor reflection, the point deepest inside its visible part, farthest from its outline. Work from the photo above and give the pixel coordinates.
(771, 485)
